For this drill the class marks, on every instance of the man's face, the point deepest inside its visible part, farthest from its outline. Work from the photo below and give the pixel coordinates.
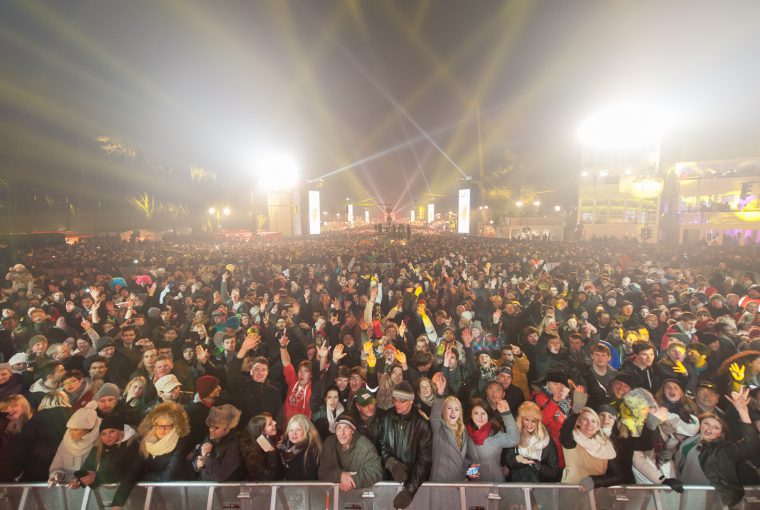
(107, 352)
(355, 381)
(707, 398)
(646, 357)
(600, 359)
(344, 433)
(106, 405)
(259, 372)
(170, 335)
(576, 344)
(689, 325)
(229, 344)
(341, 383)
(494, 393)
(532, 338)
(677, 353)
(505, 379)
(97, 370)
(403, 406)
(165, 351)
(64, 352)
(620, 389)
(128, 337)
(171, 395)
(367, 411)
(162, 368)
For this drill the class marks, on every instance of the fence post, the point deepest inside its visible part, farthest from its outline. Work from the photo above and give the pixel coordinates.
(273, 498)
(86, 497)
(528, 502)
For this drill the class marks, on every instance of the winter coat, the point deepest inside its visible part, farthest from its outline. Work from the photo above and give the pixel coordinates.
(360, 458)
(719, 460)
(546, 470)
(114, 464)
(488, 455)
(262, 466)
(223, 463)
(450, 461)
(603, 472)
(301, 467)
(250, 397)
(38, 442)
(553, 418)
(408, 439)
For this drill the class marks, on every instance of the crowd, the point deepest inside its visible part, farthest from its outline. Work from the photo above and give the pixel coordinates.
(355, 360)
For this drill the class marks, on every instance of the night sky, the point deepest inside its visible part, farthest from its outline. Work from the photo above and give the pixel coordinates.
(170, 85)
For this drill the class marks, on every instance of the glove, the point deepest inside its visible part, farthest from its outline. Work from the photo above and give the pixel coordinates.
(403, 499)
(587, 483)
(398, 469)
(673, 483)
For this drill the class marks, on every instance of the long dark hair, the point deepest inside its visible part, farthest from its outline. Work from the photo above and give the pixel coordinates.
(496, 425)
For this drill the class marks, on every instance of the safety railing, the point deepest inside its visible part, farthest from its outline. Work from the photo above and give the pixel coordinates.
(318, 496)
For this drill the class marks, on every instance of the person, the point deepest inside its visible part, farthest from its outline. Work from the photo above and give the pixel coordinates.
(109, 460)
(589, 454)
(15, 412)
(405, 445)
(217, 459)
(553, 398)
(82, 431)
(11, 383)
(534, 459)
(259, 450)
(367, 416)
(711, 457)
(162, 450)
(327, 415)
(254, 394)
(41, 436)
(490, 436)
(300, 450)
(453, 451)
(349, 459)
(77, 388)
(207, 390)
(299, 383)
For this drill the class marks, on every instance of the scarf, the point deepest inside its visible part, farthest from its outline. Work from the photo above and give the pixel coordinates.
(297, 396)
(429, 328)
(83, 446)
(429, 400)
(534, 447)
(479, 436)
(332, 416)
(157, 447)
(595, 446)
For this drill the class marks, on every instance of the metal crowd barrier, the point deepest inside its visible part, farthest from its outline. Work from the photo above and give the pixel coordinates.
(319, 496)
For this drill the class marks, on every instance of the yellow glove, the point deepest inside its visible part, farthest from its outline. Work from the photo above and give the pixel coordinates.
(400, 357)
(679, 368)
(371, 359)
(368, 347)
(737, 372)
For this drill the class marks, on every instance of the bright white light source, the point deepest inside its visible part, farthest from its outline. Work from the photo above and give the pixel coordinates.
(584, 174)
(519, 203)
(603, 173)
(625, 127)
(537, 203)
(211, 210)
(276, 171)
(226, 211)
(557, 208)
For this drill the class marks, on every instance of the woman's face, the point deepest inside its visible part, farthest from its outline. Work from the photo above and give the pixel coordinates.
(270, 429)
(149, 358)
(14, 411)
(672, 392)
(296, 434)
(530, 424)
(39, 348)
(331, 400)
(426, 389)
(711, 429)
(83, 346)
(397, 375)
(452, 413)
(5, 374)
(110, 437)
(162, 426)
(70, 385)
(77, 434)
(607, 419)
(479, 416)
(588, 424)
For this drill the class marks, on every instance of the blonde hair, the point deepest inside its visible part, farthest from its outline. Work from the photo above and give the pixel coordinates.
(132, 382)
(17, 399)
(599, 435)
(458, 427)
(312, 439)
(530, 410)
(57, 398)
(171, 410)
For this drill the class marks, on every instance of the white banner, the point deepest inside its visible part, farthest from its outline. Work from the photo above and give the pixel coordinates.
(314, 212)
(351, 214)
(366, 216)
(464, 212)
(411, 216)
(431, 213)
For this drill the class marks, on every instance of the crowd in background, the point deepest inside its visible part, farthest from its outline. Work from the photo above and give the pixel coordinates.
(359, 359)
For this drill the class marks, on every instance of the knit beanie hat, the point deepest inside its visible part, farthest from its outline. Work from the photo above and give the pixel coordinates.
(108, 390)
(205, 384)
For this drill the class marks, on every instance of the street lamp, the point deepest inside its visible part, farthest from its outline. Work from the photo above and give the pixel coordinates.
(226, 211)
(557, 208)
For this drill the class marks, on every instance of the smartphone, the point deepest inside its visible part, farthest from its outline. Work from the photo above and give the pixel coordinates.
(473, 471)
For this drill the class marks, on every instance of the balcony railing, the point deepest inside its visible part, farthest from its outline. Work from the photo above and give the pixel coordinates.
(318, 496)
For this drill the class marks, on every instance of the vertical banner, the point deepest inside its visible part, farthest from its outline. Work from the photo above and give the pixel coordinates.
(351, 214)
(314, 212)
(464, 211)
(366, 216)
(411, 216)
(431, 213)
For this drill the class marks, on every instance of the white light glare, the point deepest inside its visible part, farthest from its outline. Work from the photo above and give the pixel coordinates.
(276, 171)
(625, 127)
(211, 210)
(226, 211)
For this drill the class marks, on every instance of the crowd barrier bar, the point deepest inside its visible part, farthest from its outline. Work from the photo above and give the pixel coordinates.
(32, 495)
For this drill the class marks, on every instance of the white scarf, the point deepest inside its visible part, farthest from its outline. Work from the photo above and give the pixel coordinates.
(534, 448)
(332, 416)
(83, 446)
(157, 447)
(596, 446)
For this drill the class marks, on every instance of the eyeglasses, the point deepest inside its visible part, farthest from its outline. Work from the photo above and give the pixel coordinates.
(165, 427)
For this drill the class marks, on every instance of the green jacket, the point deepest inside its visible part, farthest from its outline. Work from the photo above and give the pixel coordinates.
(361, 457)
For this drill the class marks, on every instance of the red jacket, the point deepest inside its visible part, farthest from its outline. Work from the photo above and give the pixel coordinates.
(553, 418)
(295, 403)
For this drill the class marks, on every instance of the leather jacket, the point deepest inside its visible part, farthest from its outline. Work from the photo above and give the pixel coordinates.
(408, 439)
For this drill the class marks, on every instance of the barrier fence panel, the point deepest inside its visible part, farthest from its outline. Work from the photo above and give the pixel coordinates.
(319, 496)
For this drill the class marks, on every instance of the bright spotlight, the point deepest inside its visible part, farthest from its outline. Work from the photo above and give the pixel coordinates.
(226, 211)
(519, 203)
(211, 210)
(537, 203)
(584, 174)
(276, 171)
(625, 127)
(557, 208)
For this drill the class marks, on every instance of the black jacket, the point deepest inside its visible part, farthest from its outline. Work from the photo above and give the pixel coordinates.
(262, 466)
(409, 440)
(116, 462)
(250, 397)
(38, 442)
(719, 461)
(545, 471)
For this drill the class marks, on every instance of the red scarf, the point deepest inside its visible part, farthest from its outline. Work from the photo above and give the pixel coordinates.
(478, 436)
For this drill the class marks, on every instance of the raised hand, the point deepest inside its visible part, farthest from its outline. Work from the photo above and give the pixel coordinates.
(338, 353)
(737, 372)
(502, 406)
(402, 330)
(440, 382)
(740, 400)
(401, 357)
(323, 350)
(371, 359)
(678, 368)
(467, 337)
(368, 347)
